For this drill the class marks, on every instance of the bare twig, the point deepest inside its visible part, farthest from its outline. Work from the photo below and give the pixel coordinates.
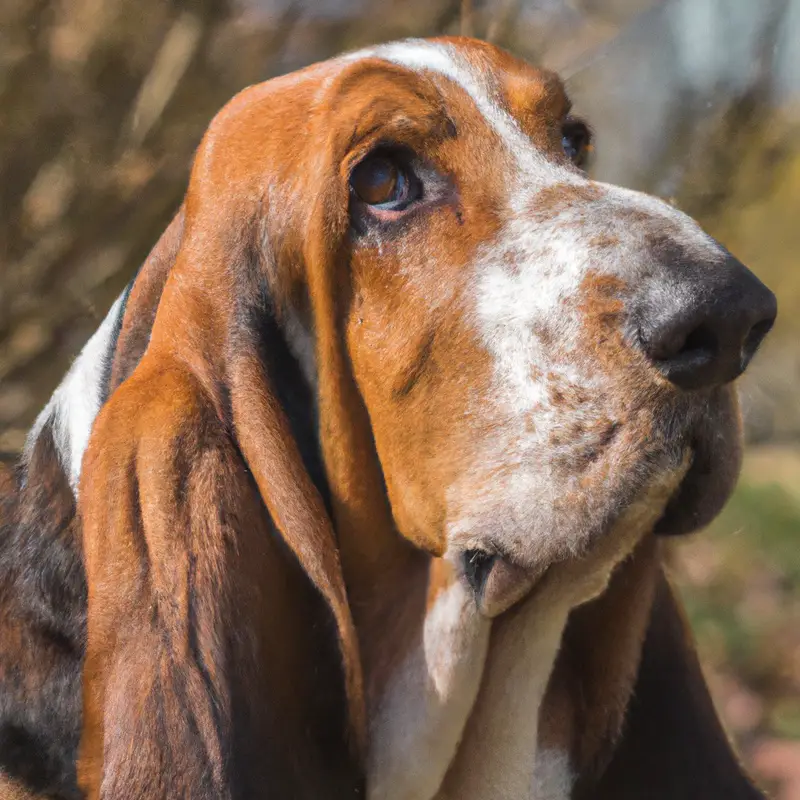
(168, 68)
(466, 18)
(501, 20)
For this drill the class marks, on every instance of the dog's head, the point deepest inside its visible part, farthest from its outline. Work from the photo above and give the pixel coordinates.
(397, 321)
(530, 350)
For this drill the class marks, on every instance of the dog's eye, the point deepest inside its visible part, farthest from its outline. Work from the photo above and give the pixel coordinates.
(576, 139)
(380, 181)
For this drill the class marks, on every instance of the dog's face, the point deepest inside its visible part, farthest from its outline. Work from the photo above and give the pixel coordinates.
(534, 350)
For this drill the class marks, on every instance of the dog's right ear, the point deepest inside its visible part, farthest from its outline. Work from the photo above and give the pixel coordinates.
(219, 636)
(673, 746)
(222, 656)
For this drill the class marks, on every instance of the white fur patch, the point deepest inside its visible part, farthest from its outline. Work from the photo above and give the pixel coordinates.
(302, 346)
(420, 55)
(497, 756)
(553, 777)
(421, 716)
(445, 60)
(511, 302)
(531, 277)
(76, 402)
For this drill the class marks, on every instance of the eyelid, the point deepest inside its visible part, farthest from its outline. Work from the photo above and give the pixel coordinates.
(403, 157)
(386, 148)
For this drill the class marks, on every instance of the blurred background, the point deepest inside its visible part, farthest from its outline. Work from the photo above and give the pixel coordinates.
(102, 103)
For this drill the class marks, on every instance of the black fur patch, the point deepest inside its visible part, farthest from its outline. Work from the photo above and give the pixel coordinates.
(42, 627)
(256, 318)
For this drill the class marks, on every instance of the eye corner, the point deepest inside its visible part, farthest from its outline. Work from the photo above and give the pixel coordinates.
(577, 141)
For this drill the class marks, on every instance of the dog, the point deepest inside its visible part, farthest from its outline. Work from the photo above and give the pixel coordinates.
(358, 489)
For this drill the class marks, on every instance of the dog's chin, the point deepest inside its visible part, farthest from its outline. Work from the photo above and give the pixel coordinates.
(711, 467)
(689, 482)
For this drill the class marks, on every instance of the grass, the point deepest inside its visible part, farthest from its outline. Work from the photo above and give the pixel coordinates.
(741, 584)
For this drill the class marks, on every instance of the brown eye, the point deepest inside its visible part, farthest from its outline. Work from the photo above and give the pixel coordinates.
(576, 139)
(380, 181)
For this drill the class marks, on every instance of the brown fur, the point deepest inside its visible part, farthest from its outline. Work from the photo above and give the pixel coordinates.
(596, 668)
(140, 310)
(188, 642)
(672, 744)
(551, 201)
(244, 614)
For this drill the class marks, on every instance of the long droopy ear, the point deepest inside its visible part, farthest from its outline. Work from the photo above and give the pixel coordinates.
(222, 659)
(371, 548)
(672, 744)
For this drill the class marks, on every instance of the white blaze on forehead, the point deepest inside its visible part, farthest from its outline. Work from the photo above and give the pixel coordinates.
(75, 403)
(446, 60)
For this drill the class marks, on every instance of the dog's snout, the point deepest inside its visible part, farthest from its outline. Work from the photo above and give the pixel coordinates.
(701, 329)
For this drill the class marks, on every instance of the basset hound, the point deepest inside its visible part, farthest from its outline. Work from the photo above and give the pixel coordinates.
(357, 490)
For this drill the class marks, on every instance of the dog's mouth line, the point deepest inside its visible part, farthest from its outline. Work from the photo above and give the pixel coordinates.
(508, 578)
(478, 562)
(477, 565)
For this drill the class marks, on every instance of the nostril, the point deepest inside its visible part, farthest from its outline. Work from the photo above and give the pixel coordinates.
(685, 354)
(702, 331)
(675, 345)
(754, 338)
(701, 342)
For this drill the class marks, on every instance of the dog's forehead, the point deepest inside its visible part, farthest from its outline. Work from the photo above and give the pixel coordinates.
(504, 89)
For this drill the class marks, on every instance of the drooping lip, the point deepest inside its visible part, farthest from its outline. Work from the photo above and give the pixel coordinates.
(703, 492)
(715, 442)
(497, 582)
(701, 431)
(680, 515)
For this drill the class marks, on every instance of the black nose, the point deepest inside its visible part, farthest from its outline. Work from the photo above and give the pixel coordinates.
(702, 328)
